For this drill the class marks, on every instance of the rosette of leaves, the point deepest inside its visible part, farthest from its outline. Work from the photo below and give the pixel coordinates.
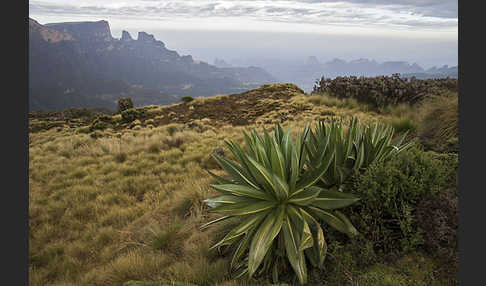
(354, 148)
(279, 210)
(379, 145)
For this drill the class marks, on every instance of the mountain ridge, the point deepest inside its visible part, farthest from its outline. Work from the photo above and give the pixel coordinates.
(305, 72)
(87, 67)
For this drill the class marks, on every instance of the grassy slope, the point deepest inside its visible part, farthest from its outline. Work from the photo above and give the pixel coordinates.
(127, 206)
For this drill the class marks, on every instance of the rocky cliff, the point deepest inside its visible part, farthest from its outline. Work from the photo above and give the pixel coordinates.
(38, 32)
(80, 64)
(85, 31)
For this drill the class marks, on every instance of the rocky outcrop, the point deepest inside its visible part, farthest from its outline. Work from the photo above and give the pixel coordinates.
(85, 31)
(40, 32)
(142, 36)
(126, 36)
(94, 69)
(149, 39)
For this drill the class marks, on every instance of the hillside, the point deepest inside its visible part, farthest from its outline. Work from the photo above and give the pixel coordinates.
(304, 73)
(117, 199)
(80, 64)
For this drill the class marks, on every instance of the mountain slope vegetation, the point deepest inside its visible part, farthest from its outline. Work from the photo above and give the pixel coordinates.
(117, 199)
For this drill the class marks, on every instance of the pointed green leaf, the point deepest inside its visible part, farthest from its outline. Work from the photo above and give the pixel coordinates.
(242, 247)
(329, 200)
(305, 196)
(224, 199)
(331, 219)
(306, 240)
(263, 238)
(351, 229)
(249, 223)
(245, 208)
(214, 221)
(320, 245)
(235, 171)
(295, 256)
(241, 190)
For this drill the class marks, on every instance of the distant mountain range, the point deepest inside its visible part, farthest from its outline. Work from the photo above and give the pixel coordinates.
(80, 64)
(305, 73)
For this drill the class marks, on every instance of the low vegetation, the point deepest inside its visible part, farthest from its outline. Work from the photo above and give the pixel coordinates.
(122, 203)
(123, 104)
(385, 90)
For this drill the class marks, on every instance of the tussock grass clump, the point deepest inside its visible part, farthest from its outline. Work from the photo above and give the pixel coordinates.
(165, 239)
(439, 122)
(173, 142)
(120, 157)
(403, 124)
(327, 100)
(154, 148)
(173, 128)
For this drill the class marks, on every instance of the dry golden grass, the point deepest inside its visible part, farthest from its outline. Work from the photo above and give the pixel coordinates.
(128, 205)
(439, 120)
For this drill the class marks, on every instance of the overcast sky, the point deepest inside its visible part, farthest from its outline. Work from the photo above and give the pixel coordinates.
(422, 31)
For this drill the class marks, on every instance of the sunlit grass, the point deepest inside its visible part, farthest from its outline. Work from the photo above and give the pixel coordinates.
(128, 205)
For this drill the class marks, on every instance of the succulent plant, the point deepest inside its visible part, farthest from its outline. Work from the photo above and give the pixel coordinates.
(272, 194)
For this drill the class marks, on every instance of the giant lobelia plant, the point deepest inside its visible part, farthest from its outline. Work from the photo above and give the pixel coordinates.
(272, 195)
(355, 148)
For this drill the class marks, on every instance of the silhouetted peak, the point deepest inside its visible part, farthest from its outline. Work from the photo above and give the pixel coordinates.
(142, 36)
(126, 36)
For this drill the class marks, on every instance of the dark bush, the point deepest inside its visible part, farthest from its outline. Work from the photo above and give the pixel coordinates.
(124, 104)
(105, 118)
(438, 216)
(131, 114)
(97, 124)
(390, 193)
(187, 99)
(120, 157)
(384, 90)
(96, 134)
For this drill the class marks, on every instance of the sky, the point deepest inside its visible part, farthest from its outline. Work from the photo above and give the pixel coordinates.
(421, 31)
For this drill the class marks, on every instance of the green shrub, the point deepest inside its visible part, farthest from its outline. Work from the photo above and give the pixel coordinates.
(187, 99)
(132, 114)
(84, 129)
(390, 193)
(380, 91)
(98, 124)
(437, 215)
(124, 104)
(274, 196)
(451, 145)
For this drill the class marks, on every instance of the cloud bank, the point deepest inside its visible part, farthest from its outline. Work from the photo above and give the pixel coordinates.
(299, 16)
